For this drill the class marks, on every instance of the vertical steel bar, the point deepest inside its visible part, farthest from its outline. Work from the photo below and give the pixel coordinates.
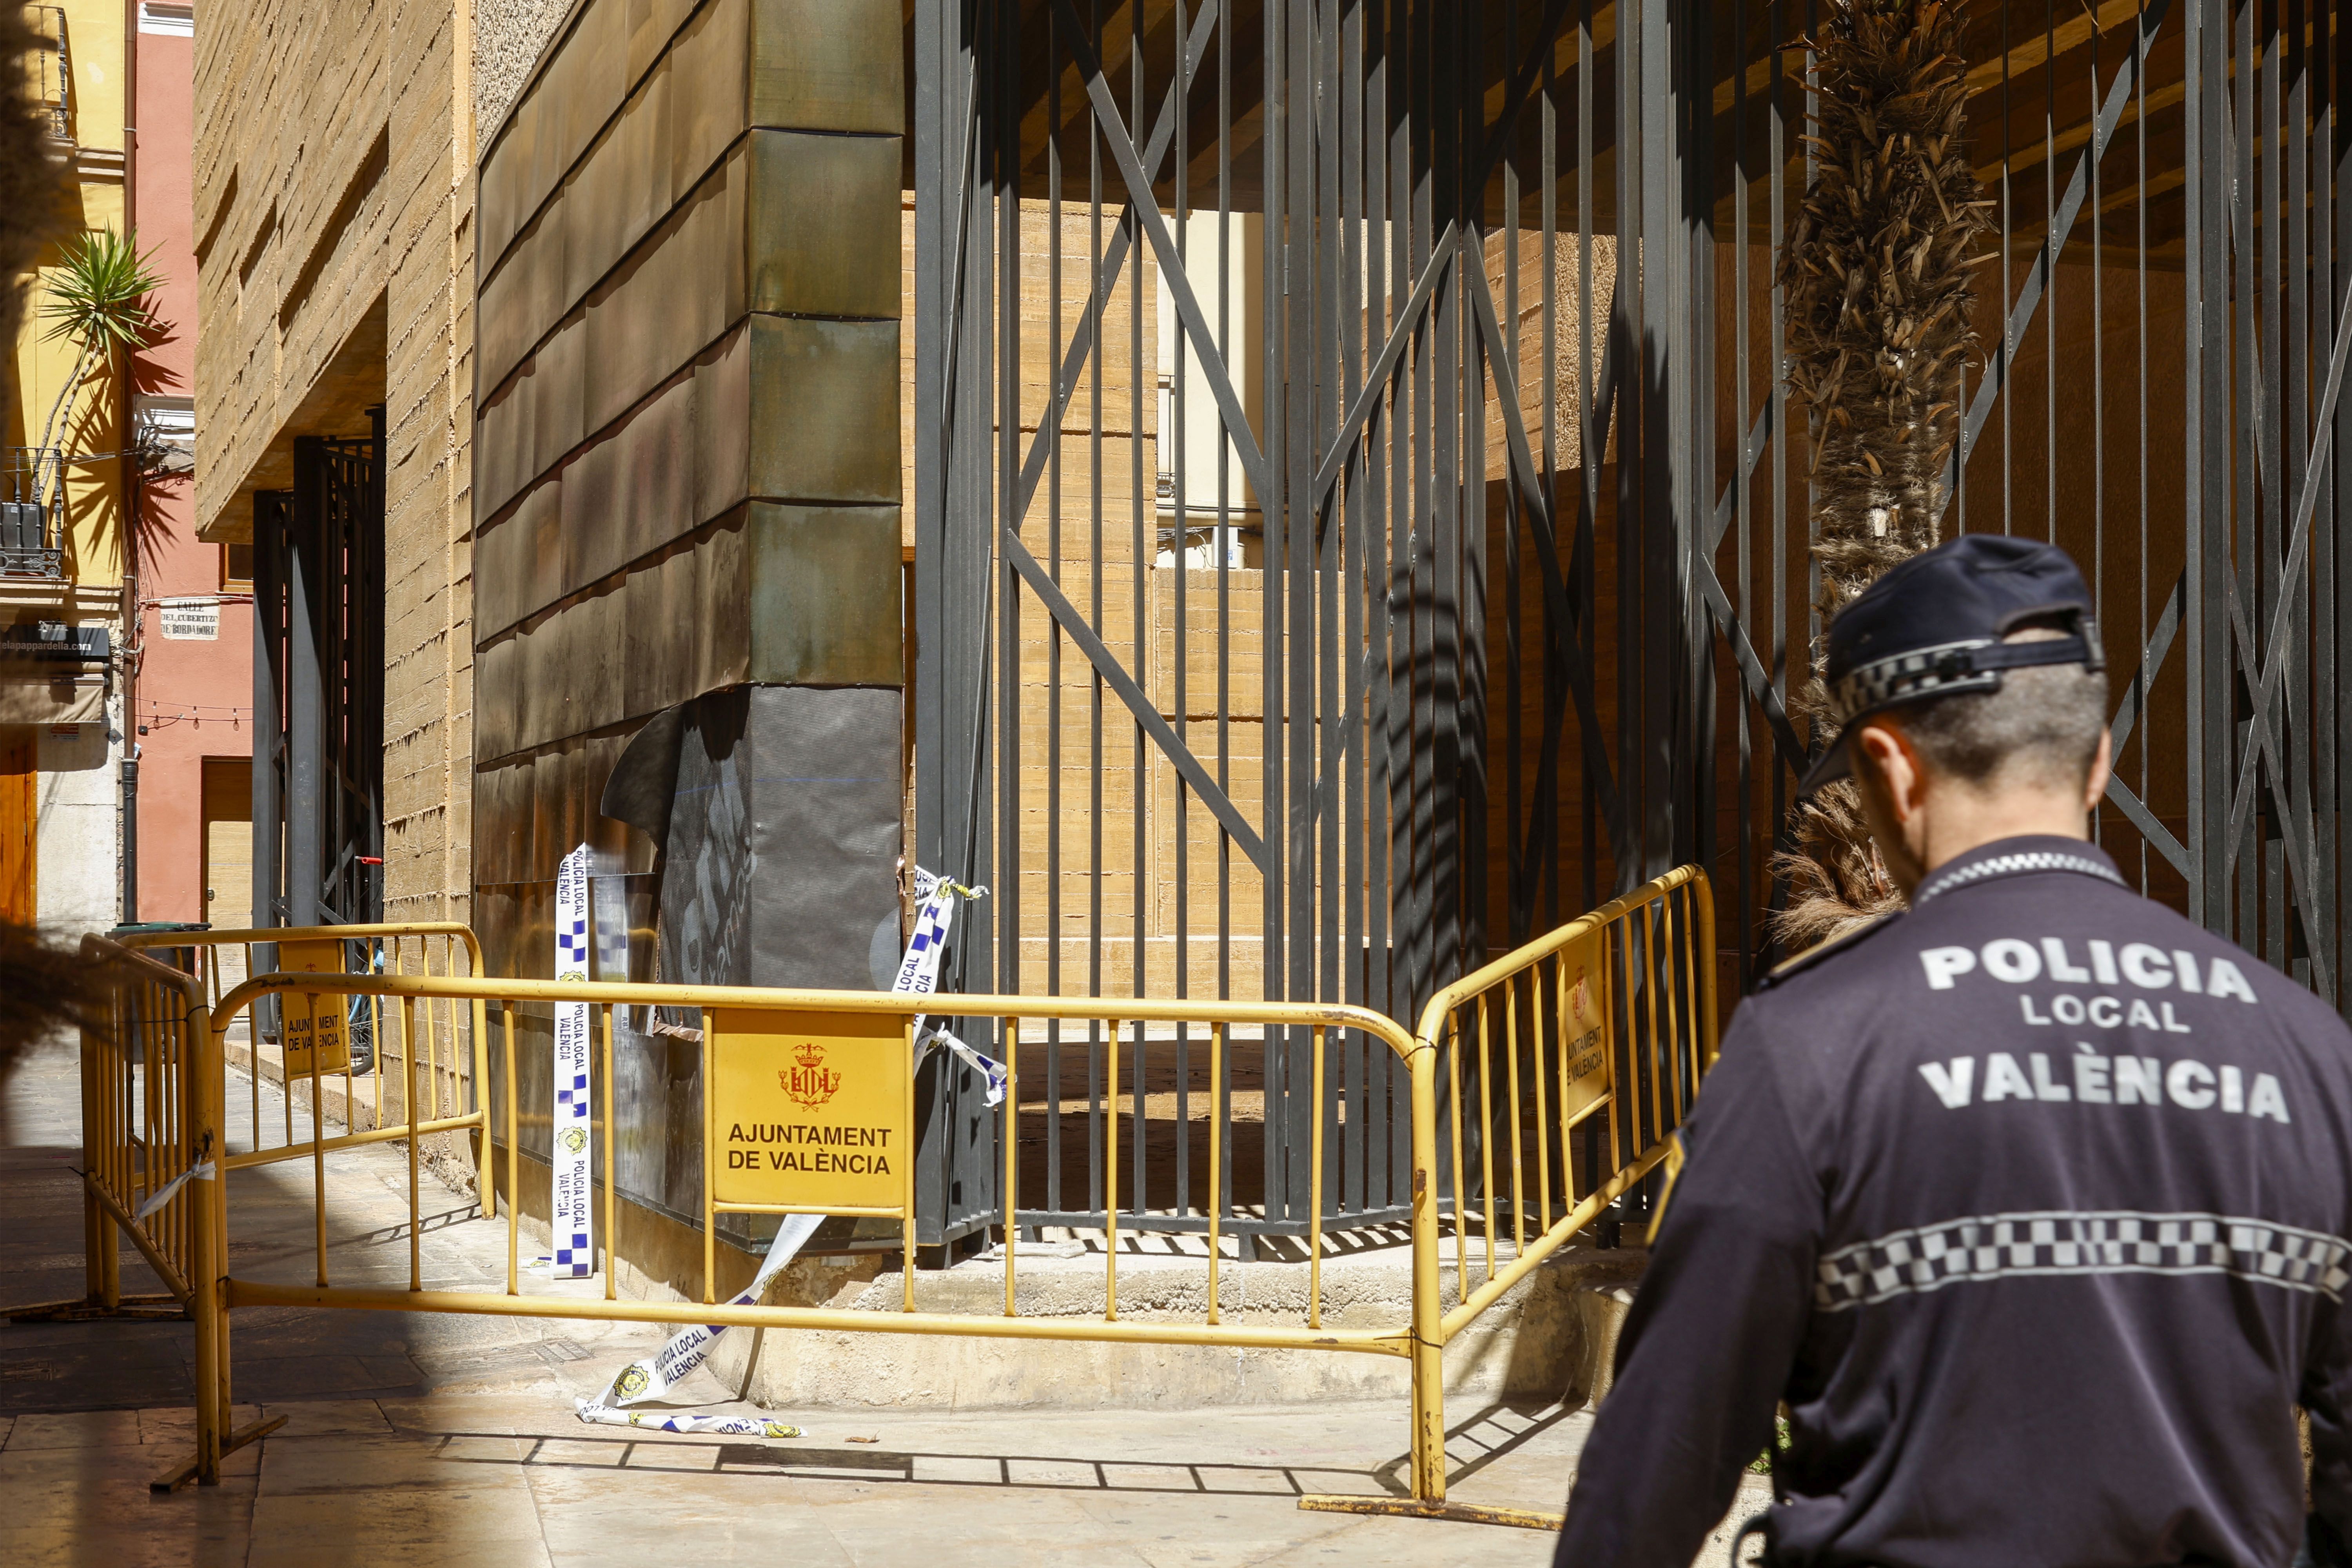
(1180, 643)
(1097, 1113)
(2050, 304)
(1303, 371)
(2139, 207)
(1776, 199)
(1274, 328)
(2332, 226)
(1221, 1090)
(1399, 489)
(1140, 556)
(2195, 303)
(1591, 450)
(1350, 747)
(1010, 759)
(2098, 378)
(1052, 434)
(2294, 721)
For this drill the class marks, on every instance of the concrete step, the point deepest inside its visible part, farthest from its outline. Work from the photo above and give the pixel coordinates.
(1552, 1338)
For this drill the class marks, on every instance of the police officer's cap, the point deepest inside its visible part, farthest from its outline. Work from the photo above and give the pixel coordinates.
(1933, 626)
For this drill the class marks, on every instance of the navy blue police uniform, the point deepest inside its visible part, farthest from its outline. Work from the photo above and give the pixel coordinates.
(2030, 1204)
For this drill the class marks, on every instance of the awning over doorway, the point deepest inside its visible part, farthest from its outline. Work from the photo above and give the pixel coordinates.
(51, 673)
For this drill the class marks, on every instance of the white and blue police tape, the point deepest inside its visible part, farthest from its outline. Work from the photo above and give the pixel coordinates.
(687, 1349)
(919, 975)
(574, 1226)
(201, 1172)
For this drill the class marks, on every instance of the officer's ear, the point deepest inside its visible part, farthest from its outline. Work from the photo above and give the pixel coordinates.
(1889, 767)
(2094, 787)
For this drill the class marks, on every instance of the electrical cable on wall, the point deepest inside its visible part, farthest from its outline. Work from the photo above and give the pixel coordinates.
(162, 715)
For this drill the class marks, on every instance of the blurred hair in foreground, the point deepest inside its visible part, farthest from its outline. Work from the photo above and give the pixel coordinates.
(42, 988)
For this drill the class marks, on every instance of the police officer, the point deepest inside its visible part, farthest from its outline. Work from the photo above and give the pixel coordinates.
(2029, 1202)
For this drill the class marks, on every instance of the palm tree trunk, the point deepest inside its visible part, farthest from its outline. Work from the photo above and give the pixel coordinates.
(65, 393)
(1879, 274)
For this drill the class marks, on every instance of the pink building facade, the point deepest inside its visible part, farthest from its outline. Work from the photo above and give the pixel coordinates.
(192, 686)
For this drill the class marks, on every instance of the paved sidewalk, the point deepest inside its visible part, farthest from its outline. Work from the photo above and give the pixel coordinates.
(428, 1441)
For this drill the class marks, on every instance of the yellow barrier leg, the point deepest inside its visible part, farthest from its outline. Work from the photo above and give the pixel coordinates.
(109, 1265)
(205, 1301)
(1428, 1329)
(97, 1232)
(208, 1136)
(1428, 1499)
(97, 1226)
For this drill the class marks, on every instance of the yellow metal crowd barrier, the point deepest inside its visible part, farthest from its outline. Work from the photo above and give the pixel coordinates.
(1596, 1035)
(142, 1044)
(155, 1132)
(448, 1042)
(1588, 1042)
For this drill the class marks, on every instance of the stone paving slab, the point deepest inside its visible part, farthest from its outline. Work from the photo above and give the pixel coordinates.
(421, 1481)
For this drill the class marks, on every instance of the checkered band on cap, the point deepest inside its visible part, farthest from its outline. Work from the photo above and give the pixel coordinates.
(1938, 670)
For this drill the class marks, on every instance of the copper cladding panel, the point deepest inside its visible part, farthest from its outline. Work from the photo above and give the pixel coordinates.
(709, 89)
(825, 402)
(497, 684)
(823, 232)
(677, 292)
(656, 494)
(722, 619)
(830, 65)
(559, 419)
(825, 590)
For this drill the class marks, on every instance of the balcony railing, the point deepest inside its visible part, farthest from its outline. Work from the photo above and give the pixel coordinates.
(32, 542)
(50, 65)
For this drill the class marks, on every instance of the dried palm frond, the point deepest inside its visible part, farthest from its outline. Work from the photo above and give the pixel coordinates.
(1878, 271)
(33, 185)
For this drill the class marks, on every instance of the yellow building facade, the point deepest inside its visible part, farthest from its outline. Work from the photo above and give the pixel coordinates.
(62, 519)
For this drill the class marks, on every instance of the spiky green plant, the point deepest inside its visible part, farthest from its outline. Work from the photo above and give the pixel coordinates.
(1878, 272)
(96, 298)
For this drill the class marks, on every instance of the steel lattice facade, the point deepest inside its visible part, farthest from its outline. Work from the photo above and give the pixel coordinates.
(1359, 520)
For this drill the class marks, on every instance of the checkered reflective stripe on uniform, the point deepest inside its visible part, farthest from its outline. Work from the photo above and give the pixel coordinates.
(2111, 1241)
(2013, 865)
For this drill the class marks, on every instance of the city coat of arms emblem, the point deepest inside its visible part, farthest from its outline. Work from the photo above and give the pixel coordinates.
(809, 1081)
